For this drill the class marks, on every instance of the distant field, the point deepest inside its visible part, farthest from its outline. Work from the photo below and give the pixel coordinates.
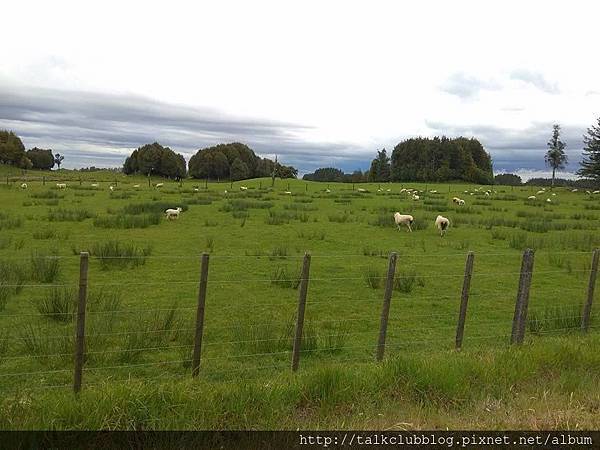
(141, 308)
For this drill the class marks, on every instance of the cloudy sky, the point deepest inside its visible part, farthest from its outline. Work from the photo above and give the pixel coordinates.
(320, 83)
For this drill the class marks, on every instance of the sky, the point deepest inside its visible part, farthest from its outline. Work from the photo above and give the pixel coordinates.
(316, 83)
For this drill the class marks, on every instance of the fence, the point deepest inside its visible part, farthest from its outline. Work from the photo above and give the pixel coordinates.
(299, 336)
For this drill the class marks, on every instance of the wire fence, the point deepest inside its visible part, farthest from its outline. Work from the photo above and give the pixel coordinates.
(336, 327)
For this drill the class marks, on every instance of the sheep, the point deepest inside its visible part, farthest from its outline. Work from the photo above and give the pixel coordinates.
(540, 192)
(288, 192)
(574, 190)
(455, 199)
(159, 185)
(111, 187)
(548, 200)
(196, 190)
(433, 192)
(588, 192)
(94, 185)
(328, 191)
(461, 202)
(415, 197)
(136, 186)
(596, 192)
(61, 185)
(442, 224)
(402, 191)
(243, 188)
(23, 185)
(173, 213)
(403, 219)
(388, 190)
(362, 190)
(531, 197)
(487, 194)
(553, 194)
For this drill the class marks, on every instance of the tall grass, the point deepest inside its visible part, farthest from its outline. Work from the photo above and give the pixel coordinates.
(406, 280)
(69, 215)
(555, 318)
(283, 278)
(128, 221)
(45, 268)
(58, 304)
(118, 255)
(373, 277)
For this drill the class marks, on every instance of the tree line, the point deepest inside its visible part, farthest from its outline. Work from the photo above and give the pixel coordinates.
(12, 152)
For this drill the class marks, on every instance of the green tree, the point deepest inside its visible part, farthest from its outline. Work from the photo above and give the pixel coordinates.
(41, 159)
(239, 170)
(555, 156)
(380, 167)
(154, 159)
(590, 164)
(12, 150)
(508, 179)
(58, 159)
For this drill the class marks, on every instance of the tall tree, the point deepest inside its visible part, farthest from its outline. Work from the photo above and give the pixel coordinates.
(556, 156)
(12, 150)
(380, 167)
(58, 159)
(590, 165)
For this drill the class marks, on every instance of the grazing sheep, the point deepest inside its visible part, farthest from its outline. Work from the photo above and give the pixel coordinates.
(531, 197)
(288, 192)
(94, 185)
(433, 192)
(403, 219)
(243, 188)
(61, 185)
(362, 190)
(461, 202)
(196, 189)
(455, 199)
(327, 190)
(553, 194)
(136, 186)
(574, 190)
(588, 192)
(415, 197)
(159, 185)
(23, 185)
(173, 213)
(112, 188)
(442, 224)
(402, 190)
(596, 192)
(548, 200)
(388, 190)
(225, 191)
(540, 192)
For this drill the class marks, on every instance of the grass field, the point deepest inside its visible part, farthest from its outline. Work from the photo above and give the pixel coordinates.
(143, 284)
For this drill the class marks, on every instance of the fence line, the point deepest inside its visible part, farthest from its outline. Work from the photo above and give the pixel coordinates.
(299, 338)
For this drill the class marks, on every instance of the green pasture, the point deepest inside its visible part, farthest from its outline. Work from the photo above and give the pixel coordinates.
(144, 273)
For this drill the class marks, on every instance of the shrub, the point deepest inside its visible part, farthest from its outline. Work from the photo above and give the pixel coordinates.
(405, 281)
(45, 268)
(58, 304)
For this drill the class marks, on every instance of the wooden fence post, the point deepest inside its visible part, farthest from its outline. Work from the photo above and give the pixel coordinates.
(464, 300)
(522, 303)
(200, 315)
(385, 311)
(301, 307)
(587, 309)
(80, 325)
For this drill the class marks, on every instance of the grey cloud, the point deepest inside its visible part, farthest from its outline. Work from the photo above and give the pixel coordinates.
(101, 129)
(467, 87)
(535, 79)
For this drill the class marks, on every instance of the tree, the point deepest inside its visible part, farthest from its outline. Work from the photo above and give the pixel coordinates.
(330, 174)
(41, 159)
(58, 159)
(380, 167)
(154, 159)
(590, 164)
(556, 156)
(508, 179)
(239, 170)
(12, 150)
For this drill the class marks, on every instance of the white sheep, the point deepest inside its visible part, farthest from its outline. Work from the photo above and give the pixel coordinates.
(196, 189)
(461, 202)
(442, 224)
(574, 190)
(243, 188)
(553, 194)
(388, 190)
(596, 192)
(328, 191)
(415, 197)
(94, 185)
(455, 199)
(548, 200)
(173, 213)
(23, 185)
(362, 190)
(588, 192)
(61, 185)
(159, 185)
(288, 192)
(111, 187)
(403, 219)
(540, 192)
(433, 192)
(136, 186)
(531, 197)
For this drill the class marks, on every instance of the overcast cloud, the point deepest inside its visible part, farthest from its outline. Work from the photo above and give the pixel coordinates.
(317, 83)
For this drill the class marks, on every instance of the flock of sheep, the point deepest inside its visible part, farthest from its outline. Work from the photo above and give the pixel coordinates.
(441, 223)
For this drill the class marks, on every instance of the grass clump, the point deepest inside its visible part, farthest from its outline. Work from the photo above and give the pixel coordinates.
(128, 221)
(282, 278)
(555, 318)
(45, 268)
(120, 255)
(69, 215)
(373, 277)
